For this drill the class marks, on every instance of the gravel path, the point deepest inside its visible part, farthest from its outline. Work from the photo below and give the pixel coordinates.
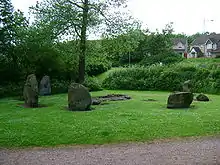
(192, 151)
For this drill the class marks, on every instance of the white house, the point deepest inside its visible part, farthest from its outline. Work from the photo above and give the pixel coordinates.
(208, 44)
(195, 52)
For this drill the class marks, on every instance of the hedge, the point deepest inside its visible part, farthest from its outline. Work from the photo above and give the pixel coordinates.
(167, 78)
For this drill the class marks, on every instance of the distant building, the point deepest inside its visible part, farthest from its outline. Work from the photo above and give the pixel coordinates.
(209, 45)
(180, 45)
(195, 52)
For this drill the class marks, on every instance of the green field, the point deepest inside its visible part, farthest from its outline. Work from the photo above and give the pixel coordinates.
(113, 122)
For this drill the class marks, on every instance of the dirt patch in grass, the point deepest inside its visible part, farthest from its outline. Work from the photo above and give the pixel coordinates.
(149, 100)
(110, 97)
(39, 106)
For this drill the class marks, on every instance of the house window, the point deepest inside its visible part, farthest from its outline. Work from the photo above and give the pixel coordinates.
(209, 46)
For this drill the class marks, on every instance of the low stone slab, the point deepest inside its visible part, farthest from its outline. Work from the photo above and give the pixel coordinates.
(109, 97)
(202, 97)
(180, 100)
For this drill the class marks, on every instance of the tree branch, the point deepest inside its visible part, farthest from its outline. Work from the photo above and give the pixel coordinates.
(100, 11)
(75, 28)
(75, 4)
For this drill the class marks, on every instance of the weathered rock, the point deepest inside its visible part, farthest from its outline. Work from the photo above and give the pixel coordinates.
(31, 91)
(187, 86)
(79, 98)
(180, 100)
(202, 97)
(45, 86)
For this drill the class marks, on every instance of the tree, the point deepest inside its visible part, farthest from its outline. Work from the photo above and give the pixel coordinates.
(6, 26)
(11, 23)
(121, 47)
(77, 18)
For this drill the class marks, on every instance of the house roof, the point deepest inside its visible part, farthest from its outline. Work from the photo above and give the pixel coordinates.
(215, 38)
(177, 40)
(197, 49)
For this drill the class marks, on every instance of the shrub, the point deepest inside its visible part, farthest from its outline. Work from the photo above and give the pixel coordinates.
(168, 78)
(92, 83)
(95, 66)
(11, 89)
(166, 59)
(59, 86)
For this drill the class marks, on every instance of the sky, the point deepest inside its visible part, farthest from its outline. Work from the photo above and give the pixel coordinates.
(187, 15)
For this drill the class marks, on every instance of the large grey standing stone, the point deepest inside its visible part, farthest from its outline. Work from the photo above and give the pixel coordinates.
(31, 91)
(79, 98)
(180, 100)
(45, 86)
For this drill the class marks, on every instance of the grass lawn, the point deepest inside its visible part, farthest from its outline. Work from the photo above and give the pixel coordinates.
(121, 121)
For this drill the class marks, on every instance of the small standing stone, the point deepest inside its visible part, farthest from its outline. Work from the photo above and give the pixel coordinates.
(45, 86)
(31, 91)
(187, 86)
(79, 98)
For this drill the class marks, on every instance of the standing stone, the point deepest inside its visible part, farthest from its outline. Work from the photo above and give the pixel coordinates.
(45, 87)
(180, 100)
(79, 98)
(31, 91)
(202, 97)
(187, 86)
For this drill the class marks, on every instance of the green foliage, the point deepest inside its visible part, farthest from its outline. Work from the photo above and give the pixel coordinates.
(142, 46)
(75, 19)
(59, 86)
(96, 61)
(97, 66)
(7, 30)
(165, 58)
(168, 78)
(92, 83)
(11, 89)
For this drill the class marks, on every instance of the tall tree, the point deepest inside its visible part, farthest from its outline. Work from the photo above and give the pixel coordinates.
(6, 26)
(77, 18)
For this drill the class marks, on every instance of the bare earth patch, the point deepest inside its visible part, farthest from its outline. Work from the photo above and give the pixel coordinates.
(109, 97)
(25, 106)
(185, 152)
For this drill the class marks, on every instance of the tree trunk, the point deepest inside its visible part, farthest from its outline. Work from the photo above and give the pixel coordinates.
(83, 42)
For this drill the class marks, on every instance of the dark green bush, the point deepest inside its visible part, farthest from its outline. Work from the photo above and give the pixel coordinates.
(92, 83)
(95, 66)
(11, 90)
(166, 59)
(59, 86)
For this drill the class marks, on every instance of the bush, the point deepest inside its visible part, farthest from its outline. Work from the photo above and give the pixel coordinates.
(166, 59)
(92, 83)
(59, 86)
(167, 78)
(95, 66)
(11, 89)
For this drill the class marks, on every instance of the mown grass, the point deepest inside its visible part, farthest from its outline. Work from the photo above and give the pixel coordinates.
(121, 121)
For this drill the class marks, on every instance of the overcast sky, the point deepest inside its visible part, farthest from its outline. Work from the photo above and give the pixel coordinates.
(187, 15)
